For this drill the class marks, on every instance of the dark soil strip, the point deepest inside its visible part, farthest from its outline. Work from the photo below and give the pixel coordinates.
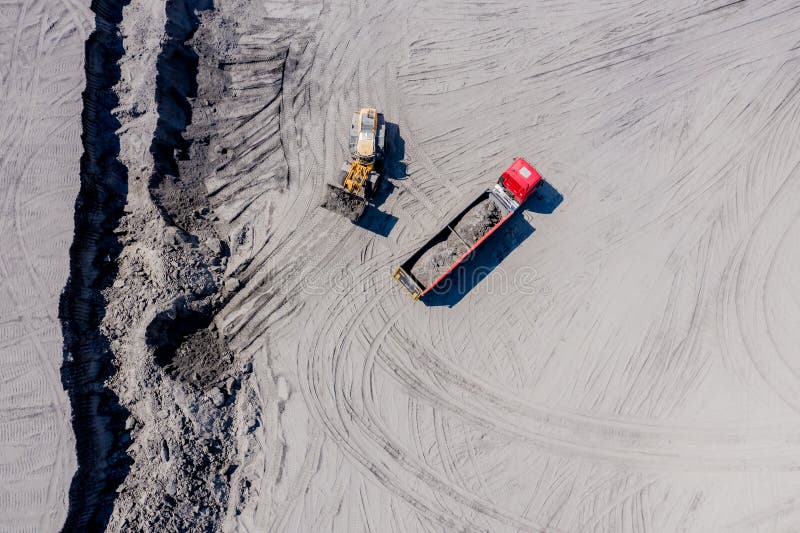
(98, 419)
(177, 185)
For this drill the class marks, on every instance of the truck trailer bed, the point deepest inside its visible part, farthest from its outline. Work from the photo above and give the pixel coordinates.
(452, 245)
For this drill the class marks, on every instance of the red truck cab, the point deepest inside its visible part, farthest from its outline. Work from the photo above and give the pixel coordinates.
(520, 179)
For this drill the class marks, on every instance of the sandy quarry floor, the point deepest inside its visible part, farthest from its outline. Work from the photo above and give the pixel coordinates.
(41, 79)
(240, 359)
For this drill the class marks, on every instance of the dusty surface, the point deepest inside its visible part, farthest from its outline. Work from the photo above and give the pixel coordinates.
(41, 79)
(629, 366)
(239, 358)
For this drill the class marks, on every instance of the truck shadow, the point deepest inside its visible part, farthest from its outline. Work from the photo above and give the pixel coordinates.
(394, 168)
(544, 200)
(487, 258)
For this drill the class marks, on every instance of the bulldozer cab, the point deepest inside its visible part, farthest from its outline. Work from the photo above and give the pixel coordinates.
(366, 135)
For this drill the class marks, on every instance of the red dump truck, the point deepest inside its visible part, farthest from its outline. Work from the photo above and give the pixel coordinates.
(474, 224)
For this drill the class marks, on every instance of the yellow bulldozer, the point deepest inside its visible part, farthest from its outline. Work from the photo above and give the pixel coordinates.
(358, 181)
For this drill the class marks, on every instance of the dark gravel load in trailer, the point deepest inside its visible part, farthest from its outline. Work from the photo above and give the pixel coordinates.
(460, 235)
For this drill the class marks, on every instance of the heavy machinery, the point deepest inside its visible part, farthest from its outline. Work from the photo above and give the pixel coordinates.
(359, 179)
(453, 244)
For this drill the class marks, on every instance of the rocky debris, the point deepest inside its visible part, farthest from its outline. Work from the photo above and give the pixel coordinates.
(476, 222)
(217, 397)
(231, 384)
(231, 285)
(435, 261)
(191, 471)
(215, 246)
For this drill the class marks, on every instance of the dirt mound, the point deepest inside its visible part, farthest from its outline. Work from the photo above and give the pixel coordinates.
(188, 346)
(436, 260)
(477, 222)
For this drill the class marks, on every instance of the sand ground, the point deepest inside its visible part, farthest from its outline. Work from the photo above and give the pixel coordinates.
(41, 52)
(628, 364)
(42, 57)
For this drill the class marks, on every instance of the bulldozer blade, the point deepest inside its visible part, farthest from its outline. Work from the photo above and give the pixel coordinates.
(347, 204)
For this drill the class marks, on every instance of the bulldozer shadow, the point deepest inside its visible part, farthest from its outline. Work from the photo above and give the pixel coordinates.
(375, 220)
(394, 168)
(486, 259)
(394, 165)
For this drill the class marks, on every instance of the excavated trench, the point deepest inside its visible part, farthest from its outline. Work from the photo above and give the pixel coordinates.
(98, 418)
(94, 309)
(177, 185)
(184, 340)
(187, 454)
(151, 378)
